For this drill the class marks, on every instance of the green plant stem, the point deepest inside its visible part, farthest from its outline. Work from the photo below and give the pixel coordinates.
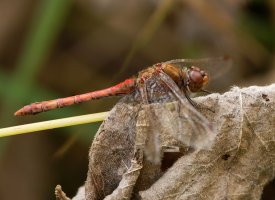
(51, 124)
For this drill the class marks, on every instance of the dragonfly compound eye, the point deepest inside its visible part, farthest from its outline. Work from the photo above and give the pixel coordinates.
(197, 79)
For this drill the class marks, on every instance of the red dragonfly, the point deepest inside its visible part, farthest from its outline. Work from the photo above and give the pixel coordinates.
(179, 77)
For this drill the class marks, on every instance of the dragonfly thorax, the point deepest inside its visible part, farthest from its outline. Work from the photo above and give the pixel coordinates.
(178, 75)
(192, 79)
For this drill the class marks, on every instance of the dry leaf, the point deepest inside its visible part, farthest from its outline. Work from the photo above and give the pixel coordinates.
(237, 165)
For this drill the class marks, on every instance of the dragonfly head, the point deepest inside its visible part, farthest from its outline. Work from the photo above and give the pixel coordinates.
(196, 79)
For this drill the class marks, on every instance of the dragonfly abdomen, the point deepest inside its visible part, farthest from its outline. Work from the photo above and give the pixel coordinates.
(122, 88)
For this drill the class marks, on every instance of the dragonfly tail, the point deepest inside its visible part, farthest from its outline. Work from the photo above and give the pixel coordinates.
(122, 88)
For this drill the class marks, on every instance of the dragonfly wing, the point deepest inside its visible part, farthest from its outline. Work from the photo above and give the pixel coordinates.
(201, 132)
(152, 143)
(153, 92)
(215, 67)
(171, 126)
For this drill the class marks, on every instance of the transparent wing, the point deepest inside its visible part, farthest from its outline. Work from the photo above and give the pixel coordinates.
(154, 92)
(215, 67)
(171, 121)
(199, 133)
(152, 144)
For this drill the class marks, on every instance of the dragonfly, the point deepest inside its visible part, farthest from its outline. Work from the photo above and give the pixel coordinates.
(172, 80)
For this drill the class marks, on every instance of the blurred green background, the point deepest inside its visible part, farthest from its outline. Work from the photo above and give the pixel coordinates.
(51, 49)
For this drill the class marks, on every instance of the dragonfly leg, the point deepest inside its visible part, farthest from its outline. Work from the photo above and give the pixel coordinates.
(206, 91)
(195, 105)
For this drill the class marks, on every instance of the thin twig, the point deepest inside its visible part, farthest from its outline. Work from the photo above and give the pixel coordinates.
(58, 123)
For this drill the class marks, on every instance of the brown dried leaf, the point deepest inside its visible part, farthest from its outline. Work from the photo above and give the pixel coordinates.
(128, 181)
(238, 166)
(60, 194)
(112, 151)
(241, 161)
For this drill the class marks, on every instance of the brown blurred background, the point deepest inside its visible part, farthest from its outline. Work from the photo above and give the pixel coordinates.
(51, 49)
